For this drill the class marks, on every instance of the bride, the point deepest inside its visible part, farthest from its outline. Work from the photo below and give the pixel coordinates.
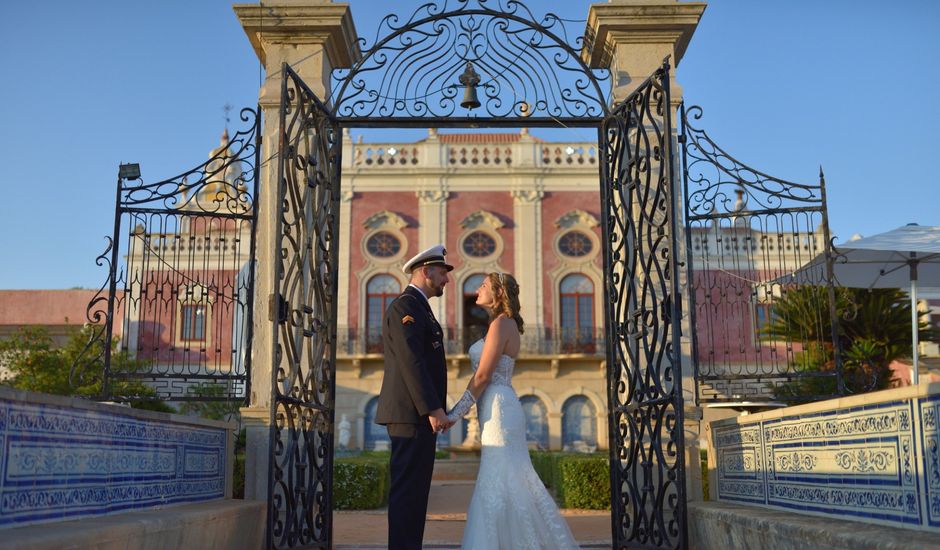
(510, 507)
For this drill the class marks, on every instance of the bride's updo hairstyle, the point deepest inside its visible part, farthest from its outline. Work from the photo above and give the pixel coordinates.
(506, 290)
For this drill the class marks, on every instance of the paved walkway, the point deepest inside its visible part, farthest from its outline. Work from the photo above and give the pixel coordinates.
(447, 507)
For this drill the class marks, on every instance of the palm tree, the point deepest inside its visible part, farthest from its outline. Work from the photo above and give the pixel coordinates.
(873, 330)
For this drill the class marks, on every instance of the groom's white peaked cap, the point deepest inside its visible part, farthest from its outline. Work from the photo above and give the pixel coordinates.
(432, 256)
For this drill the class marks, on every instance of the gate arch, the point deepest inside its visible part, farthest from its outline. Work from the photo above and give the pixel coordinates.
(529, 72)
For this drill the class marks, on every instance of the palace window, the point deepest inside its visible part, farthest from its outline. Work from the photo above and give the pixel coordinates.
(380, 292)
(764, 314)
(479, 245)
(575, 244)
(578, 424)
(475, 318)
(536, 421)
(383, 245)
(193, 318)
(376, 436)
(577, 314)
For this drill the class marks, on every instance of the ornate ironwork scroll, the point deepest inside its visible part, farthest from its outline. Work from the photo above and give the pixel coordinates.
(530, 70)
(178, 297)
(748, 235)
(304, 357)
(638, 196)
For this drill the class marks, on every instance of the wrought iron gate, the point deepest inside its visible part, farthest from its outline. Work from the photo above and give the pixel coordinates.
(300, 502)
(178, 297)
(638, 196)
(748, 235)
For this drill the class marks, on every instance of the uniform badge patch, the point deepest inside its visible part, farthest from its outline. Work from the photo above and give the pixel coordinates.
(407, 319)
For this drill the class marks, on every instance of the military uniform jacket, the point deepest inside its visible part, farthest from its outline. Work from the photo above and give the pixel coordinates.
(415, 380)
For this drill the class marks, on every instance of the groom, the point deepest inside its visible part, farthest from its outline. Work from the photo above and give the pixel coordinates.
(413, 396)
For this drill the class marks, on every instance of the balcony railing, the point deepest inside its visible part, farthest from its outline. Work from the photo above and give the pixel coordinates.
(535, 341)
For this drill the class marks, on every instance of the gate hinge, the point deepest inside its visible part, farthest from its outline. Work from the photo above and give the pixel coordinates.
(277, 306)
(681, 138)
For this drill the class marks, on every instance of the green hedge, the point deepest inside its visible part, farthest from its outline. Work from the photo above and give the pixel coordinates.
(238, 476)
(360, 483)
(578, 480)
(703, 463)
(544, 464)
(238, 470)
(584, 482)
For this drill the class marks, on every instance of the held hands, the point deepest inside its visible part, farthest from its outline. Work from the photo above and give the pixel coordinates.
(439, 421)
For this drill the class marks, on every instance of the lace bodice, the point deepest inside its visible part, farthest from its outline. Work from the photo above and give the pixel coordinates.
(502, 376)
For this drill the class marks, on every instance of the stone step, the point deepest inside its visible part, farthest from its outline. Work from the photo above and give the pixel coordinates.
(456, 469)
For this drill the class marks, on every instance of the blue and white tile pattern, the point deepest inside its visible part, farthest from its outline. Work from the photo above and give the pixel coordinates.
(61, 463)
(860, 463)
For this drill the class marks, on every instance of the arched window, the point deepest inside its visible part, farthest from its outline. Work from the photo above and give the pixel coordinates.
(536, 421)
(380, 292)
(576, 297)
(376, 436)
(578, 424)
(475, 318)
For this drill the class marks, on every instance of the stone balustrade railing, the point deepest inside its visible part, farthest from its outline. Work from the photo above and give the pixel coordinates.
(873, 458)
(475, 154)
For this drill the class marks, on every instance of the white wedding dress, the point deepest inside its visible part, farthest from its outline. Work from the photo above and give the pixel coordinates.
(510, 508)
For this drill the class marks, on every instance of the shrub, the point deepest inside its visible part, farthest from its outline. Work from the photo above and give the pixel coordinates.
(703, 462)
(238, 476)
(544, 464)
(238, 469)
(583, 482)
(577, 480)
(360, 483)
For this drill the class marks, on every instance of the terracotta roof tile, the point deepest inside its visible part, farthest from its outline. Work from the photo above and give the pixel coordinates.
(44, 307)
(484, 138)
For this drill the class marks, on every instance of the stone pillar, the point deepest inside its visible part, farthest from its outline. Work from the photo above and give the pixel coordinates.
(432, 230)
(632, 38)
(345, 263)
(554, 431)
(314, 37)
(527, 216)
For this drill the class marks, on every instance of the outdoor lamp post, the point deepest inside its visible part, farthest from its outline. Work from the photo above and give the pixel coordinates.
(130, 171)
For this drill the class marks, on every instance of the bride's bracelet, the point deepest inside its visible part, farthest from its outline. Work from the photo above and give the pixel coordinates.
(462, 407)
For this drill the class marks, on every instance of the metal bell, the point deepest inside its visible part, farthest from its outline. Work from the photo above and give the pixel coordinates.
(470, 100)
(470, 79)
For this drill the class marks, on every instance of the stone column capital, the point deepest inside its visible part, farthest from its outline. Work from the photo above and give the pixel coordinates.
(301, 22)
(256, 415)
(621, 22)
(527, 195)
(432, 195)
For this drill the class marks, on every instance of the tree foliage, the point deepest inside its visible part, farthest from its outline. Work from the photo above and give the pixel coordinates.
(212, 403)
(34, 363)
(874, 329)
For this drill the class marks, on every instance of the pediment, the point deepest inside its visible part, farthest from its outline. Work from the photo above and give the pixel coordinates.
(385, 218)
(575, 218)
(482, 218)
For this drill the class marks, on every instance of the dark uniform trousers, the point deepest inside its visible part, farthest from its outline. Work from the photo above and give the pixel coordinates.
(412, 465)
(415, 382)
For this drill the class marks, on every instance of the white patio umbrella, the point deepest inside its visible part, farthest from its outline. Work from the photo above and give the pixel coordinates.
(907, 257)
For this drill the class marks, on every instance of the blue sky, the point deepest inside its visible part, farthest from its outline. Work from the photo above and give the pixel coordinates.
(786, 86)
